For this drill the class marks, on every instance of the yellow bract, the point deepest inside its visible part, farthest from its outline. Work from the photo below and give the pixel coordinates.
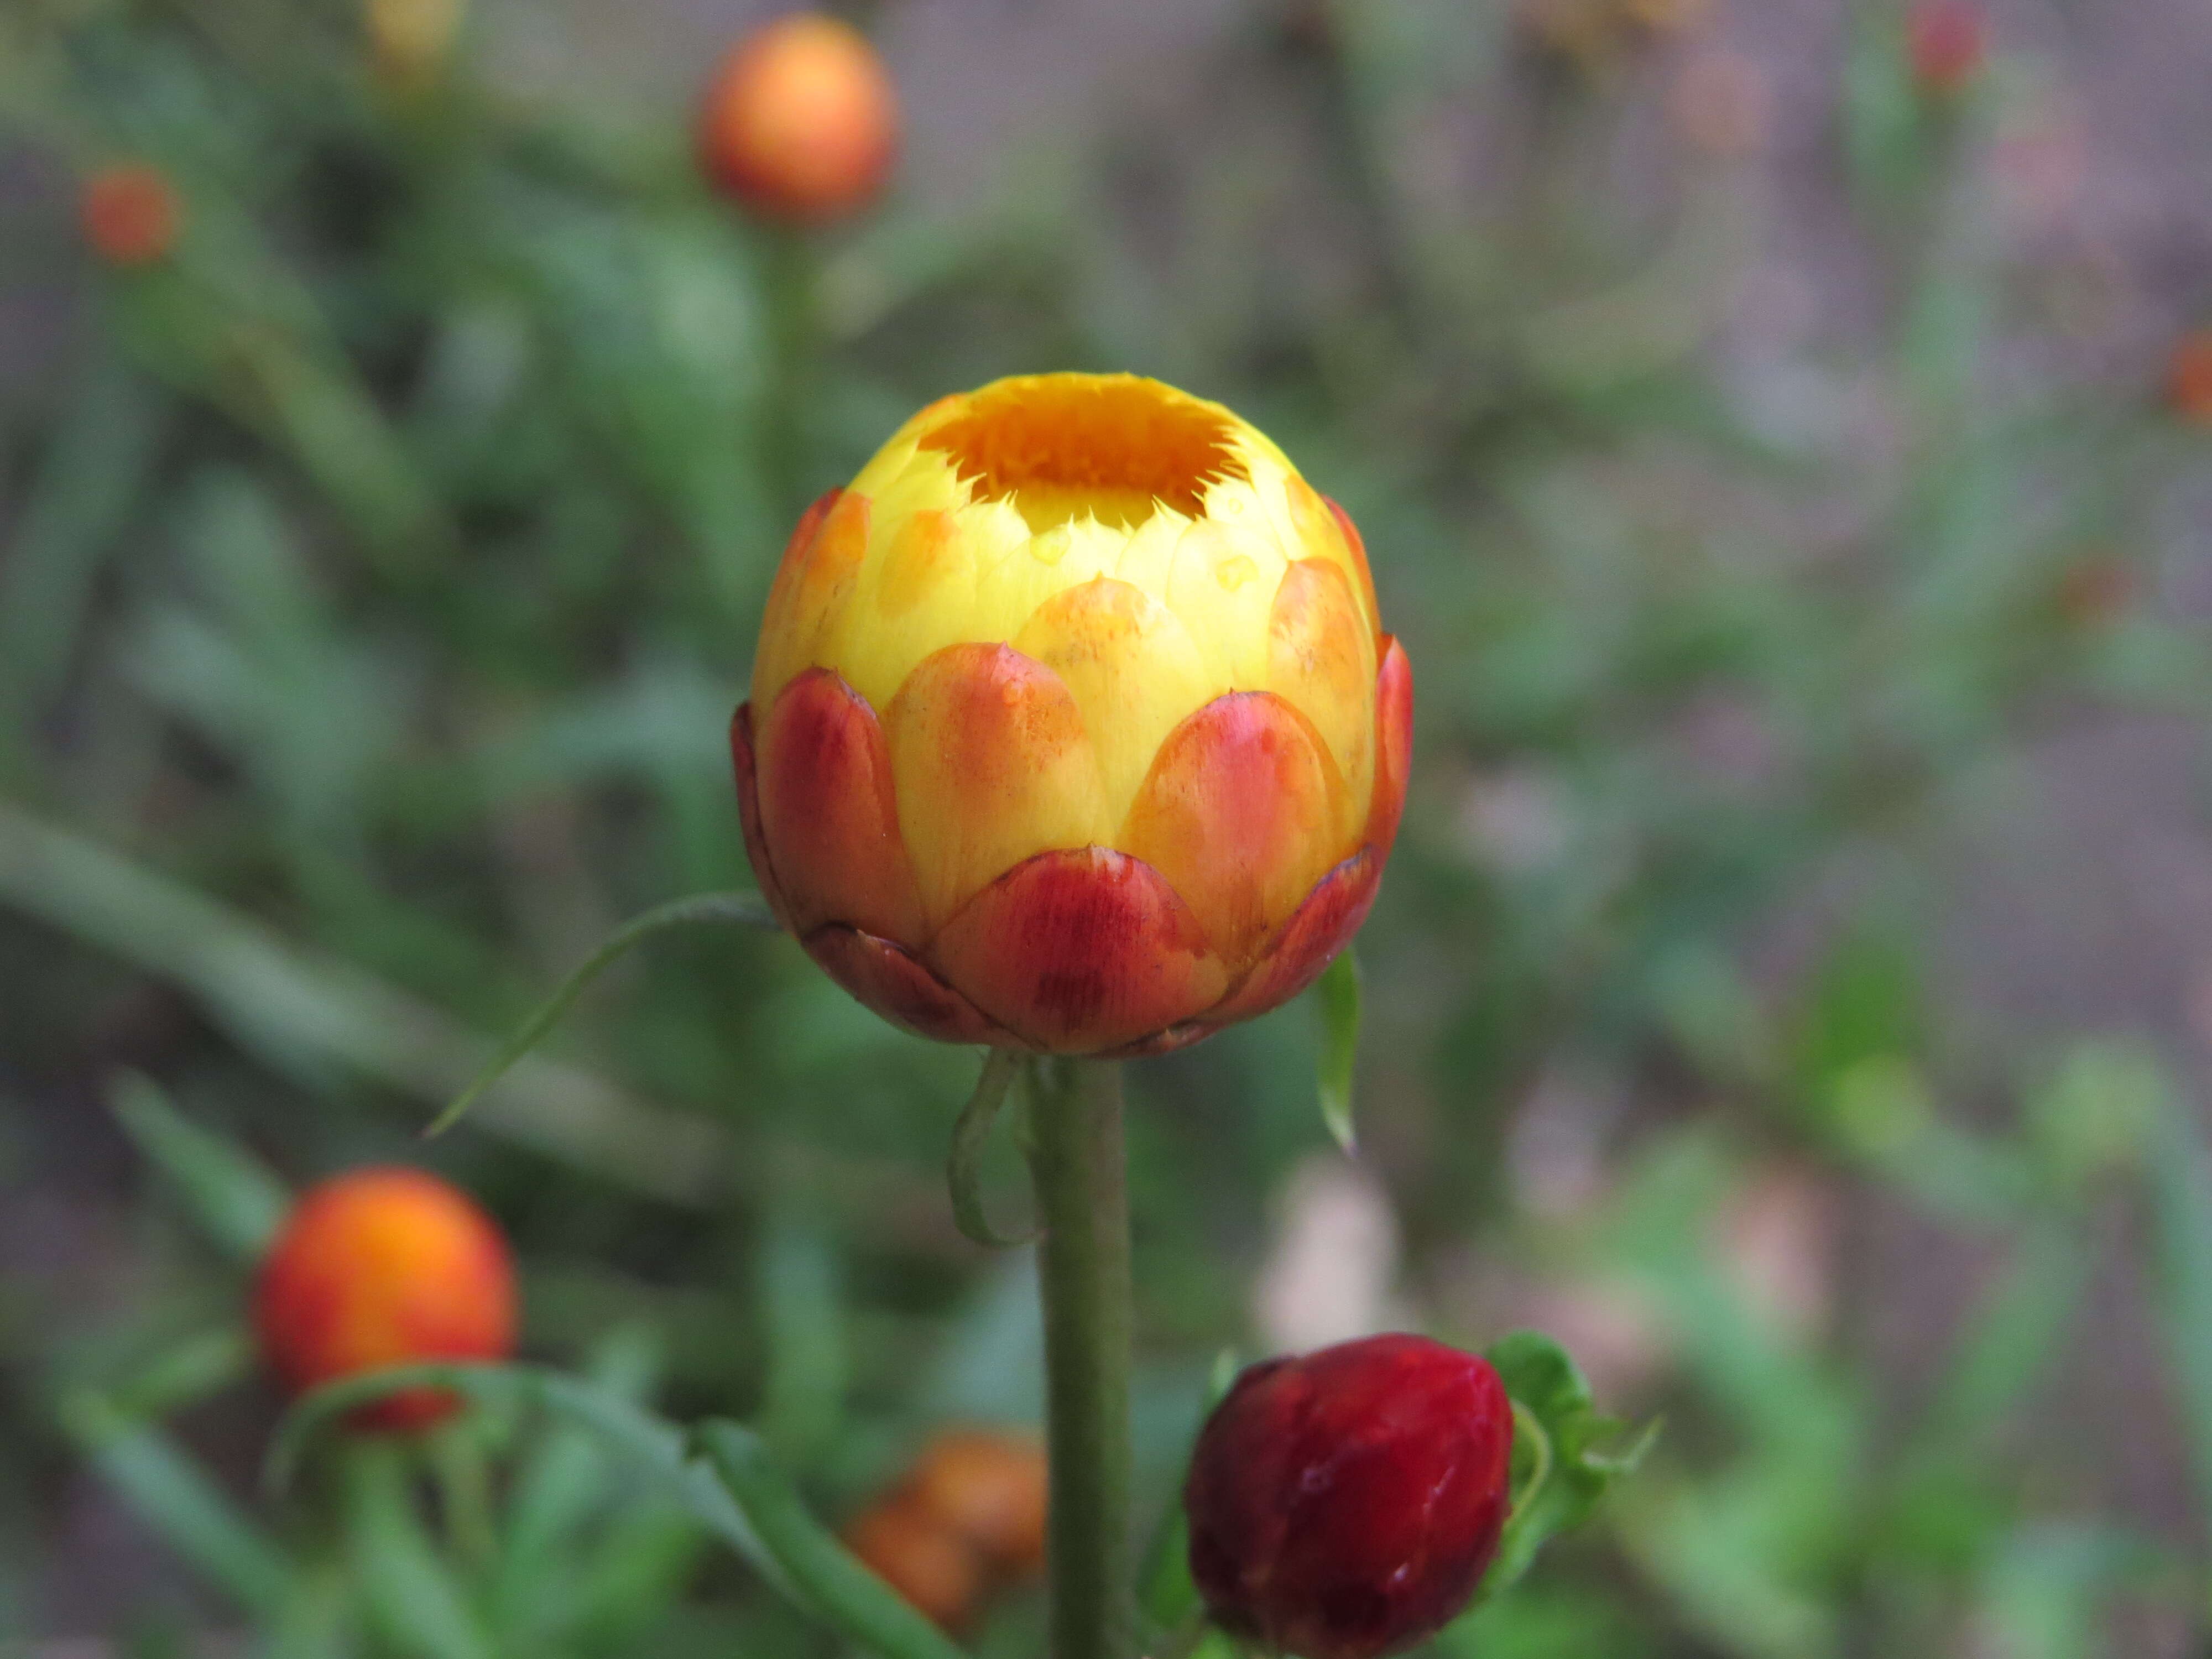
(1149, 548)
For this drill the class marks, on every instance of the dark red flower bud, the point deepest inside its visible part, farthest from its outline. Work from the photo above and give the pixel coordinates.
(1344, 1503)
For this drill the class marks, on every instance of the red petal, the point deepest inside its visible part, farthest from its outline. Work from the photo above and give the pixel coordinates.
(828, 813)
(741, 754)
(886, 979)
(1394, 748)
(1080, 950)
(1239, 813)
(1309, 940)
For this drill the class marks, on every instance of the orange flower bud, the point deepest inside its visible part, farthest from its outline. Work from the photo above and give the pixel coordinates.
(1945, 41)
(990, 1488)
(1072, 728)
(130, 214)
(800, 122)
(384, 1267)
(938, 1573)
(2189, 377)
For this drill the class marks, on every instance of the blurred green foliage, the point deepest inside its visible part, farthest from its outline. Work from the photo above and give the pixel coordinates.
(379, 573)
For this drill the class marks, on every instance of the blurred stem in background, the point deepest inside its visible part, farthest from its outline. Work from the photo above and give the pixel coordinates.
(1078, 1164)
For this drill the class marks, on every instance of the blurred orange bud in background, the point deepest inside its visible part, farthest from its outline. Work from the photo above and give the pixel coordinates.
(989, 1486)
(2189, 377)
(131, 214)
(800, 122)
(1072, 728)
(384, 1267)
(970, 1515)
(935, 1570)
(1946, 41)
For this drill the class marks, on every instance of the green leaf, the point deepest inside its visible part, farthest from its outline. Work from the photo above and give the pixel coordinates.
(412, 1594)
(200, 1521)
(2181, 1205)
(231, 1193)
(728, 909)
(826, 1574)
(1338, 995)
(1567, 1474)
(803, 1316)
(977, 1119)
(651, 1445)
(1166, 1595)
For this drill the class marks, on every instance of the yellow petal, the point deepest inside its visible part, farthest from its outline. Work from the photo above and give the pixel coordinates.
(1320, 659)
(1131, 668)
(812, 589)
(1222, 585)
(991, 764)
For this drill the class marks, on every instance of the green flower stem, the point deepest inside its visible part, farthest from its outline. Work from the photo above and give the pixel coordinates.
(1077, 1163)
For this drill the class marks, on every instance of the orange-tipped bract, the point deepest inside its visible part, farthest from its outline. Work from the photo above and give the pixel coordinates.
(800, 122)
(1072, 728)
(380, 1267)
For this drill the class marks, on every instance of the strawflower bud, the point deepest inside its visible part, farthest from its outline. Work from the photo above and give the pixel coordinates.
(1345, 1504)
(936, 1572)
(1072, 728)
(800, 122)
(990, 1488)
(1945, 41)
(379, 1267)
(130, 214)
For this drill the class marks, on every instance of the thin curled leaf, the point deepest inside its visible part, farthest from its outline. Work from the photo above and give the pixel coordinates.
(827, 1576)
(961, 1171)
(1338, 993)
(726, 910)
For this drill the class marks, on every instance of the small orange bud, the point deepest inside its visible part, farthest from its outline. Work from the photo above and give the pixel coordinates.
(2189, 377)
(1945, 41)
(131, 215)
(800, 122)
(990, 1488)
(384, 1267)
(938, 1573)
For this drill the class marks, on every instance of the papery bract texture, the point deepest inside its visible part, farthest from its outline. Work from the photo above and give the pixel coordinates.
(1072, 726)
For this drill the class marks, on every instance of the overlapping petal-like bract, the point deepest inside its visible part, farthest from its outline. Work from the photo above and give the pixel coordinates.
(1072, 728)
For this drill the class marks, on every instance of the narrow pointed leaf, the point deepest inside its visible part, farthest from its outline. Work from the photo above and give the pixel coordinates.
(726, 910)
(1337, 996)
(828, 1577)
(197, 1517)
(234, 1196)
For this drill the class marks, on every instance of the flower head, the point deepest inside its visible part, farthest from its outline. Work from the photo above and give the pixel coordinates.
(800, 122)
(384, 1267)
(130, 212)
(969, 1516)
(1345, 1504)
(1072, 728)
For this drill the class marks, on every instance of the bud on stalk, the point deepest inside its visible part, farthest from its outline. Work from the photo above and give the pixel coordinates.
(1073, 727)
(1344, 1503)
(380, 1267)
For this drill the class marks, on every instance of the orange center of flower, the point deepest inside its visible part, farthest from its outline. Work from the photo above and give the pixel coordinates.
(1062, 447)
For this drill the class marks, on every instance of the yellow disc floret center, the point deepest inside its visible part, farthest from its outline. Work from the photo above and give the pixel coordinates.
(1059, 448)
